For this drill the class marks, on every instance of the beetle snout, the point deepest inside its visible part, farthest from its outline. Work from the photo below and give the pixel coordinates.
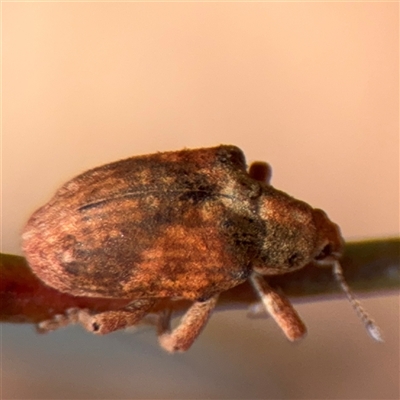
(327, 255)
(330, 241)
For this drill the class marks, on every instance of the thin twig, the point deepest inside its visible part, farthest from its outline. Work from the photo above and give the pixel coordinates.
(371, 266)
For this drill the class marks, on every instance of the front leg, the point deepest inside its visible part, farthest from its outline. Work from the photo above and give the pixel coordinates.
(192, 323)
(280, 308)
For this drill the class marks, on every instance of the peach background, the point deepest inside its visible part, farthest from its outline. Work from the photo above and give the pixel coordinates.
(312, 88)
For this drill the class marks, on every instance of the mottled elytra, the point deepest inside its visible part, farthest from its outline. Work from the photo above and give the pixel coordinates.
(188, 224)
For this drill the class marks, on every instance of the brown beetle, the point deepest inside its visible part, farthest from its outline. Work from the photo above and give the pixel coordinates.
(187, 225)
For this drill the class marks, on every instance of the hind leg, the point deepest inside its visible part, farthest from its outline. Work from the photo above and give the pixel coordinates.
(102, 322)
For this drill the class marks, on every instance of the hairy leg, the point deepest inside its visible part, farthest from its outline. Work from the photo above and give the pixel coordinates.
(192, 323)
(102, 322)
(280, 308)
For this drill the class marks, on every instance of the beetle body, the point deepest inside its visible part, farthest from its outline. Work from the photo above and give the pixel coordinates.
(182, 225)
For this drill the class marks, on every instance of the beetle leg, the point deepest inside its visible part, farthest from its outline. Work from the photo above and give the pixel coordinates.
(102, 322)
(190, 326)
(257, 310)
(110, 321)
(261, 171)
(280, 308)
(58, 321)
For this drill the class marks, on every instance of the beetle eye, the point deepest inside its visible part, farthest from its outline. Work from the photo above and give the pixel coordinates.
(325, 252)
(295, 259)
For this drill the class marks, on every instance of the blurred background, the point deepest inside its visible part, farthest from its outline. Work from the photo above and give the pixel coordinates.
(312, 88)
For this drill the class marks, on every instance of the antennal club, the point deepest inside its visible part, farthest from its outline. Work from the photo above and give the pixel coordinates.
(372, 328)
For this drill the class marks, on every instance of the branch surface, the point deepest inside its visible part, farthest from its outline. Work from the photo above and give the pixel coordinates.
(371, 266)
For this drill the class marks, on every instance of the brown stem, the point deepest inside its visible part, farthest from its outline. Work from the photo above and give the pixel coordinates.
(369, 267)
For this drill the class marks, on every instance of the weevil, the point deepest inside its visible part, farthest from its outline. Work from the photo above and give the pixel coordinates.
(186, 224)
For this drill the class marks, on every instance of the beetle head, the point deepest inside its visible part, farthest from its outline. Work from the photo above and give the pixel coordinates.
(296, 235)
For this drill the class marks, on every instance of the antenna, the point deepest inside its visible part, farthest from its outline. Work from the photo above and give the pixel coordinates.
(370, 325)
